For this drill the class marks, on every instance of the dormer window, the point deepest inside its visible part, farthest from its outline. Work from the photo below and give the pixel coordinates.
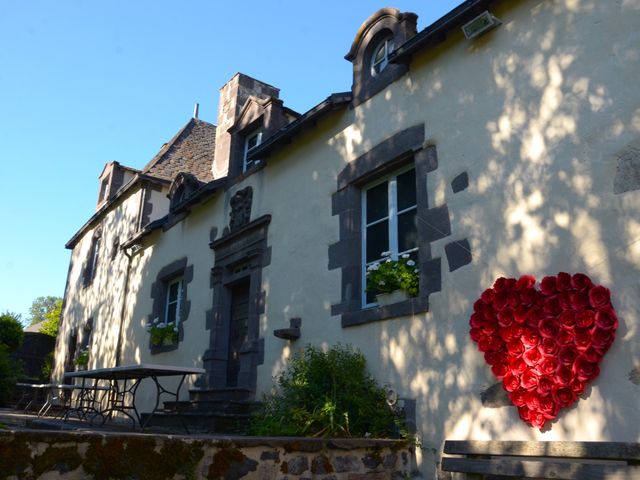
(104, 190)
(380, 58)
(250, 142)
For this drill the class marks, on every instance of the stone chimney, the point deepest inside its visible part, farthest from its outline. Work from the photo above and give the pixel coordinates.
(233, 96)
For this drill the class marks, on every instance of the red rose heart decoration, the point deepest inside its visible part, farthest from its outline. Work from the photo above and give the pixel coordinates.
(544, 344)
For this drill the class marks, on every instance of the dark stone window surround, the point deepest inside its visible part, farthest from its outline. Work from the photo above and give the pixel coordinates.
(385, 22)
(178, 268)
(239, 256)
(90, 266)
(401, 149)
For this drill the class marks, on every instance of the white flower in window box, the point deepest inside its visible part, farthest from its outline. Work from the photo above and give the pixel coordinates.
(393, 280)
(163, 333)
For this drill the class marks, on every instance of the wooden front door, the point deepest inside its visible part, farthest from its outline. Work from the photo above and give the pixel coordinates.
(238, 330)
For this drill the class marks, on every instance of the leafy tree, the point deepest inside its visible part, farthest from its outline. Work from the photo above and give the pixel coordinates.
(52, 320)
(327, 394)
(11, 335)
(40, 307)
(11, 332)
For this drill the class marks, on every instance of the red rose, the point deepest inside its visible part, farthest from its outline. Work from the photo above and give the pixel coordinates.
(567, 356)
(478, 305)
(476, 334)
(602, 339)
(567, 318)
(524, 413)
(599, 296)
(532, 357)
(585, 318)
(565, 336)
(525, 281)
(515, 347)
(493, 357)
(548, 407)
(583, 338)
(517, 397)
(564, 375)
(500, 284)
(535, 315)
(580, 282)
(579, 301)
(548, 365)
(592, 354)
(487, 296)
(513, 298)
(529, 380)
(532, 400)
(511, 382)
(577, 387)
(549, 328)
(499, 300)
(564, 397)
(505, 317)
(564, 300)
(476, 320)
(485, 343)
(500, 369)
(528, 296)
(545, 385)
(552, 306)
(489, 327)
(606, 319)
(548, 285)
(563, 281)
(530, 338)
(537, 420)
(548, 346)
(520, 314)
(517, 365)
(585, 370)
(508, 333)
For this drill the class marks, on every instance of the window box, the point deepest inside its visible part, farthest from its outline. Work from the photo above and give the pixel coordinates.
(384, 299)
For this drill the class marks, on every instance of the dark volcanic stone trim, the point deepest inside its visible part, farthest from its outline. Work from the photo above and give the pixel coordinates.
(175, 269)
(460, 183)
(239, 256)
(389, 153)
(399, 150)
(458, 254)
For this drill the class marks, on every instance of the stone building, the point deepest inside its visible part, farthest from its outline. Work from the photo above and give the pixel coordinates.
(514, 151)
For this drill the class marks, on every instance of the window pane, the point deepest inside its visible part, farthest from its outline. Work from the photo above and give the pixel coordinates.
(406, 189)
(172, 312)
(174, 290)
(407, 231)
(377, 240)
(377, 202)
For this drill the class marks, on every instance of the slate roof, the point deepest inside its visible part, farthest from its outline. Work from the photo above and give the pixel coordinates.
(191, 150)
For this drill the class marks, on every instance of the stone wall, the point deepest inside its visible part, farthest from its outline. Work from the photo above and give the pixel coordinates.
(74, 455)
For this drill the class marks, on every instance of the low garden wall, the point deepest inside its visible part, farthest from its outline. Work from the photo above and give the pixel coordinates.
(84, 455)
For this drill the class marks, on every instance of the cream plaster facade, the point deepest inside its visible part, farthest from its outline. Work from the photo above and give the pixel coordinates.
(538, 112)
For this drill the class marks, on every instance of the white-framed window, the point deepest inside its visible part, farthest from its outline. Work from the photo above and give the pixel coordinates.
(173, 301)
(381, 53)
(250, 142)
(389, 221)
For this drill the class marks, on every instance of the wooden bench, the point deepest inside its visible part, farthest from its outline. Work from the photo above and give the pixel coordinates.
(554, 460)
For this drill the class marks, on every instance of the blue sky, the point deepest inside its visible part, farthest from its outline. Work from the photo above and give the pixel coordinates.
(86, 82)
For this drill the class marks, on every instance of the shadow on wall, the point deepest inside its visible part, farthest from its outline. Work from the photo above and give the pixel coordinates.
(538, 129)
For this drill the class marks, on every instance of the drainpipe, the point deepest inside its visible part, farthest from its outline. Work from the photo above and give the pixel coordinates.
(124, 306)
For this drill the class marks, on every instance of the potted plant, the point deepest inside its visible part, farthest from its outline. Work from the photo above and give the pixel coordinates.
(163, 333)
(82, 359)
(393, 280)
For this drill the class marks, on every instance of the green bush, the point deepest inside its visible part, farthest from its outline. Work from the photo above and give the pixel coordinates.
(11, 333)
(328, 394)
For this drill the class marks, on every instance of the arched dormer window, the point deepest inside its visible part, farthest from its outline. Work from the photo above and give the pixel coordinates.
(377, 38)
(183, 186)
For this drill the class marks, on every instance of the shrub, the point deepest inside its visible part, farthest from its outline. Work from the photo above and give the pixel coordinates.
(328, 394)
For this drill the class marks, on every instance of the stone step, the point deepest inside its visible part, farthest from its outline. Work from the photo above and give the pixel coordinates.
(199, 422)
(213, 406)
(229, 393)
